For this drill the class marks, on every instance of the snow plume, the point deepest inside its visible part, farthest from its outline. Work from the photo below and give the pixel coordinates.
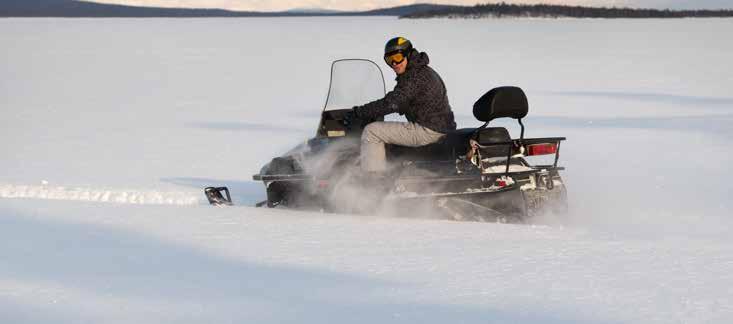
(351, 191)
(347, 193)
(354, 195)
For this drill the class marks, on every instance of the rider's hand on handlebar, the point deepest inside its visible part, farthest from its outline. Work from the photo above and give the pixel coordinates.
(348, 119)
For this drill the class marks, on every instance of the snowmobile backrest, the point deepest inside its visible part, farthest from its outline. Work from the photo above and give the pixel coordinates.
(501, 102)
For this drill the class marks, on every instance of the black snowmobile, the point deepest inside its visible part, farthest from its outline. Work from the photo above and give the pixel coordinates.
(474, 174)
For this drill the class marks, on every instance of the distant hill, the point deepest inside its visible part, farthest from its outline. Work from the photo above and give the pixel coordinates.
(71, 8)
(409, 10)
(313, 10)
(74, 8)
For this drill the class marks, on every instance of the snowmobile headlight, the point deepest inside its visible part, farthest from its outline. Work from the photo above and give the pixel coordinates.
(336, 133)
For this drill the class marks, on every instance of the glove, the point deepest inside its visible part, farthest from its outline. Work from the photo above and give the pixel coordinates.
(348, 119)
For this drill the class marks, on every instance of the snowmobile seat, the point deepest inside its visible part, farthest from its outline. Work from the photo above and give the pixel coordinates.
(499, 102)
(454, 144)
(457, 142)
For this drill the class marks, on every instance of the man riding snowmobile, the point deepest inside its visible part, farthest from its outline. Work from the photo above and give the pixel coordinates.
(430, 167)
(420, 95)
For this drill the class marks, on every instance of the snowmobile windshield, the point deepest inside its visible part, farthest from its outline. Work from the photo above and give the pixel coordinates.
(354, 82)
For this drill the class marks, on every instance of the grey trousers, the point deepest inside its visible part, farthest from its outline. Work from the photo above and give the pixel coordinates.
(376, 134)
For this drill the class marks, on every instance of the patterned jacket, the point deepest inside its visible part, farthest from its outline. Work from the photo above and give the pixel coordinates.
(420, 95)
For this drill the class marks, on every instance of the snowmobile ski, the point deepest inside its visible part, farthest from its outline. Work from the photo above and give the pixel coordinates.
(215, 197)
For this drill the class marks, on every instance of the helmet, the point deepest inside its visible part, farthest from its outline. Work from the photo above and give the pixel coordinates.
(397, 44)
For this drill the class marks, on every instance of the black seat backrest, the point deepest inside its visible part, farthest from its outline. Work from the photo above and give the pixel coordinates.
(501, 102)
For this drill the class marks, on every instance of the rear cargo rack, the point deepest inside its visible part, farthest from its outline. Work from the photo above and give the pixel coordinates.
(522, 143)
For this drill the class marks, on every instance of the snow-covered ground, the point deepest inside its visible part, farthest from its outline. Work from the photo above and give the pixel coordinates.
(111, 127)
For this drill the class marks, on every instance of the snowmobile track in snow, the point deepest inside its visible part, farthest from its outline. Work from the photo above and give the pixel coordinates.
(119, 196)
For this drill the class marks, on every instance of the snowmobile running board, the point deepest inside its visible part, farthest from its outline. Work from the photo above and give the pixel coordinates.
(304, 177)
(412, 195)
(282, 177)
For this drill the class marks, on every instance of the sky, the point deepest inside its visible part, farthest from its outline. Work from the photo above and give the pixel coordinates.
(278, 5)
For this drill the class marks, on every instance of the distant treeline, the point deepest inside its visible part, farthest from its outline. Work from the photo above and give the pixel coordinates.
(560, 11)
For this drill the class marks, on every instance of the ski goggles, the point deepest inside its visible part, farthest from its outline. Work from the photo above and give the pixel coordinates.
(394, 58)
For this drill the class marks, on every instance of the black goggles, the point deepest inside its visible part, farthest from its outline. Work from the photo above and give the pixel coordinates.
(394, 58)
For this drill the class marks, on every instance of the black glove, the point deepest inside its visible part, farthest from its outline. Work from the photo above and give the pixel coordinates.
(349, 118)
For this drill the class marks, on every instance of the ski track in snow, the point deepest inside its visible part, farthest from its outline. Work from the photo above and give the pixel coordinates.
(117, 196)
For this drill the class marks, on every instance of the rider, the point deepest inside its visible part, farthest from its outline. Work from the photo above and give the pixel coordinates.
(420, 95)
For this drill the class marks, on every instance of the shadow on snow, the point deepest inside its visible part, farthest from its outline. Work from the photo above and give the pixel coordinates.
(721, 125)
(722, 102)
(131, 268)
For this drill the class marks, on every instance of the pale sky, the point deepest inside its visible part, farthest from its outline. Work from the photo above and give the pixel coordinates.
(278, 5)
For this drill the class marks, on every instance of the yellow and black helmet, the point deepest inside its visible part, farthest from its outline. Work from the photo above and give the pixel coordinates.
(397, 44)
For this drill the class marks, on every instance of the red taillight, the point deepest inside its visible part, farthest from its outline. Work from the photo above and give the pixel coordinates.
(542, 149)
(323, 184)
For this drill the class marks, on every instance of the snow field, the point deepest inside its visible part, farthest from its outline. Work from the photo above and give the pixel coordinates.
(153, 110)
(209, 263)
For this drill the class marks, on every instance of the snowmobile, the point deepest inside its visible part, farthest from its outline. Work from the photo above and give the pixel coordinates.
(472, 174)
